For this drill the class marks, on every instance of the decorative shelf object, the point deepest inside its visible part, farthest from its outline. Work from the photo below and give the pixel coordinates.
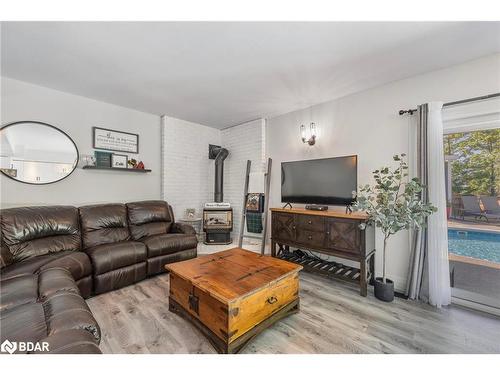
(136, 170)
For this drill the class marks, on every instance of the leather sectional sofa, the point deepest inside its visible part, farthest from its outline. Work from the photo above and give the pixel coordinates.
(53, 257)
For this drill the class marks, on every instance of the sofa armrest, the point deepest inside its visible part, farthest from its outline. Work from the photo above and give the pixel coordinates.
(182, 228)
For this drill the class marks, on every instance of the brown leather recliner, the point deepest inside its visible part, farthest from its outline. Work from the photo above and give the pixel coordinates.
(52, 256)
(117, 260)
(37, 238)
(152, 223)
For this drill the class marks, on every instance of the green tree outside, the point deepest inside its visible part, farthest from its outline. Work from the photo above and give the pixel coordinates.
(477, 169)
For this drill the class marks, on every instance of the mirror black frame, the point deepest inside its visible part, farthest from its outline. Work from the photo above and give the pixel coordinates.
(50, 126)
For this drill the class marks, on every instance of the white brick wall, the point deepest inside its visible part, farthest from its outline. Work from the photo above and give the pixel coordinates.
(188, 173)
(244, 142)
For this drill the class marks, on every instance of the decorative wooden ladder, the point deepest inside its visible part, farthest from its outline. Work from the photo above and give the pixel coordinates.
(267, 185)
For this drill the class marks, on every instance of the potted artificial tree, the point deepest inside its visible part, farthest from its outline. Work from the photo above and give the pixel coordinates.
(392, 204)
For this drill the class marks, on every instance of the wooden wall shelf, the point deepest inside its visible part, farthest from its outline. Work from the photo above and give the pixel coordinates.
(134, 170)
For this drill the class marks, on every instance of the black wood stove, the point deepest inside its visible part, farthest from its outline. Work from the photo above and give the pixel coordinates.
(218, 215)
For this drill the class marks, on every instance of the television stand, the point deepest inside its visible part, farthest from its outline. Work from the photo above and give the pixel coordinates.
(288, 204)
(330, 233)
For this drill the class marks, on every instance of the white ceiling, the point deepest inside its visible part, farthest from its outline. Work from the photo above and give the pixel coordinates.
(224, 73)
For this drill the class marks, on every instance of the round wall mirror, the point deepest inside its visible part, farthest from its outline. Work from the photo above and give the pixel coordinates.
(36, 153)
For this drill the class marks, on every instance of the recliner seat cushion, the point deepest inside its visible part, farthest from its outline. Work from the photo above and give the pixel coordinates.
(55, 280)
(18, 290)
(28, 266)
(103, 223)
(112, 256)
(29, 232)
(63, 306)
(23, 323)
(148, 218)
(67, 310)
(163, 244)
(76, 262)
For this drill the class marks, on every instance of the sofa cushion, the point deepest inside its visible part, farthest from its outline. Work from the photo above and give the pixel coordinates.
(112, 256)
(23, 323)
(26, 288)
(163, 244)
(148, 218)
(63, 306)
(35, 306)
(76, 262)
(103, 223)
(55, 280)
(66, 310)
(18, 290)
(28, 266)
(28, 232)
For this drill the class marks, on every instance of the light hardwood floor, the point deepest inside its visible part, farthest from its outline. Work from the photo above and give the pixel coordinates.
(333, 318)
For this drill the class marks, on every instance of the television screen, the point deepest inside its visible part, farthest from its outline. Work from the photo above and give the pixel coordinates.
(320, 181)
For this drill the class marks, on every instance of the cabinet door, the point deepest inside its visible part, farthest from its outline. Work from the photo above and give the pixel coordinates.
(344, 235)
(283, 227)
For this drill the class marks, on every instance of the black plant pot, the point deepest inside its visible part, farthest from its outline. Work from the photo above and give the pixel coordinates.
(384, 291)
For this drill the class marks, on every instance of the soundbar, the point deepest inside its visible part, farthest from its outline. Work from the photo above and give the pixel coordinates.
(316, 207)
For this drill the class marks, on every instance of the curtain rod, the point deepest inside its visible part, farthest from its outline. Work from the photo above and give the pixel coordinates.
(477, 98)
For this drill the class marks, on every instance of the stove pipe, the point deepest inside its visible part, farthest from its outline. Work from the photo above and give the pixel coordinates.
(219, 174)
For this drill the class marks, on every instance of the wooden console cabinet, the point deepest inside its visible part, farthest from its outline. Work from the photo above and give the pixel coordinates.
(331, 233)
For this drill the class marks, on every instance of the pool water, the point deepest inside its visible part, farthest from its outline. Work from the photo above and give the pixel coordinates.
(479, 245)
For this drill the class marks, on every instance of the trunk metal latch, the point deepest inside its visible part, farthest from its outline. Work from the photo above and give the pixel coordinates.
(194, 302)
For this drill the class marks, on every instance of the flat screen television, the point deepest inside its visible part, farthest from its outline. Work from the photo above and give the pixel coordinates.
(328, 181)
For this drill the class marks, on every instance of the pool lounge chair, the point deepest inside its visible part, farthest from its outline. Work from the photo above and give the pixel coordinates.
(491, 207)
(471, 207)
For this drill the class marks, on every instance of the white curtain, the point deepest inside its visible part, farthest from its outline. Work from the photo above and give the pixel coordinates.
(437, 267)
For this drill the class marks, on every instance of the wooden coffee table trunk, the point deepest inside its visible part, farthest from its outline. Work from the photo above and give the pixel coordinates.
(233, 295)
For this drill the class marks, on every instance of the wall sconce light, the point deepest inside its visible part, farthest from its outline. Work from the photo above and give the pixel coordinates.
(308, 137)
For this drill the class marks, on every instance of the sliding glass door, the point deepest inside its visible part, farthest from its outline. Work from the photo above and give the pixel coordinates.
(472, 172)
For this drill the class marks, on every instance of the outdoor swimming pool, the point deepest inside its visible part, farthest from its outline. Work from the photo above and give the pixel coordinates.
(480, 245)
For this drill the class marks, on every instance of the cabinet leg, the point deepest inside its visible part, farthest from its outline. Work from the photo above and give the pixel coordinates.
(372, 269)
(273, 249)
(363, 288)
